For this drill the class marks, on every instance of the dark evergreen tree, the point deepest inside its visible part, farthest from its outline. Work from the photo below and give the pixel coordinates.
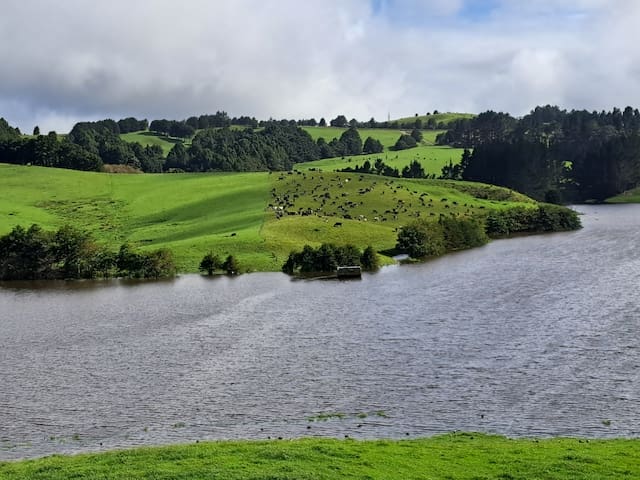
(371, 145)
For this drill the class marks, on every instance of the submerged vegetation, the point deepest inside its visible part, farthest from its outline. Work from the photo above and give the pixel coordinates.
(461, 455)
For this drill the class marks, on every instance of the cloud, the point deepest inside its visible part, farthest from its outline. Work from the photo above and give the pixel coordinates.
(75, 60)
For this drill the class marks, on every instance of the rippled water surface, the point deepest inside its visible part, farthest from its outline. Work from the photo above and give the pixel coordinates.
(532, 336)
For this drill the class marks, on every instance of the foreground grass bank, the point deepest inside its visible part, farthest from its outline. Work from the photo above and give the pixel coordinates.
(455, 456)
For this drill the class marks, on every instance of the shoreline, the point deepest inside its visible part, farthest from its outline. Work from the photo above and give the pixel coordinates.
(453, 455)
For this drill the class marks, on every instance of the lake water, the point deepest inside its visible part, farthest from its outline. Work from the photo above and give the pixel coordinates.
(533, 336)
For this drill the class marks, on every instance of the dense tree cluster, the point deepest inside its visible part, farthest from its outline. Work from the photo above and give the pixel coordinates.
(211, 263)
(424, 238)
(551, 154)
(327, 258)
(44, 150)
(275, 147)
(172, 128)
(102, 140)
(543, 218)
(372, 145)
(35, 254)
(131, 124)
(404, 142)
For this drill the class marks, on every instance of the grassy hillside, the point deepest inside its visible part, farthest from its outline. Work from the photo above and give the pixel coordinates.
(234, 213)
(432, 157)
(445, 118)
(187, 213)
(455, 456)
(145, 138)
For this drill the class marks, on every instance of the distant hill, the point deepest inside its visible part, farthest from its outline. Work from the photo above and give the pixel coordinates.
(439, 118)
(258, 217)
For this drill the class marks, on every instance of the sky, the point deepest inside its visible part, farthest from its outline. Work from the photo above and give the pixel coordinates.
(65, 61)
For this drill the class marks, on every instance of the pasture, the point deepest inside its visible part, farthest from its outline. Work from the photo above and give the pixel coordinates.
(445, 117)
(432, 157)
(459, 456)
(147, 137)
(258, 217)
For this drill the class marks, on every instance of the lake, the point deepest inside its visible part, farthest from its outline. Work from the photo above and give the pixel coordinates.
(532, 336)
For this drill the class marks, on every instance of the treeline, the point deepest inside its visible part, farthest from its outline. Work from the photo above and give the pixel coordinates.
(43, 150)
(431, 123)
(274, 147)
(101, 139)
(552, 154)
(413, 170)
(89, 146)
(424, 238)
(328, 257)
(187, 128)
(68, 253)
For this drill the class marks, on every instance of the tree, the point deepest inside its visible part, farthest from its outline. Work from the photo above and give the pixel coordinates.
(231, 265)
(178, 158)
(158, 263)
(404, 142)
(369, 259)
(36, 130)
(421, 239)
(210, 263)
(181, 130)
(371, 145)
(351, 142)
(322, 123)
(416, 134)
(339, 121)
(413, 170)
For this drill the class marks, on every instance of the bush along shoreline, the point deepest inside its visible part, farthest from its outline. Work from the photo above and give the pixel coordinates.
(424, 239)
(69, 253)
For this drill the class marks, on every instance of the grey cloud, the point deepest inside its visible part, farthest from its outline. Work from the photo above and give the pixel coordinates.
(75, 60)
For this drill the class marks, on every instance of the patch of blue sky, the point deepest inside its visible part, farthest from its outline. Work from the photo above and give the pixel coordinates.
(415, 13)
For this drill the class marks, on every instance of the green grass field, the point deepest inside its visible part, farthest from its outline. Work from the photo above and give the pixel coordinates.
(188, 213)
(445, 118)
(630, 196)
(145, 138)
(431, 157)
(455, 456)
(234, 213)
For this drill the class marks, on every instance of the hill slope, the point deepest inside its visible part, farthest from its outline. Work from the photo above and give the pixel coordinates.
(234, 213)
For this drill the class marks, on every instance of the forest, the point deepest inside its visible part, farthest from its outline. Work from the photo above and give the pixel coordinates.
(551, 154)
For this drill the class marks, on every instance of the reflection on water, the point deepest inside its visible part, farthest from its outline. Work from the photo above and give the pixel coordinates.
(531, 336)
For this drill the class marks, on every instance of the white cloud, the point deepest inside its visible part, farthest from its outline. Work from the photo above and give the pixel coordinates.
(77, 60)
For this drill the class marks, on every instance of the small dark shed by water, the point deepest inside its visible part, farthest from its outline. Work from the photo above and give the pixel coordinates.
(349, 271)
